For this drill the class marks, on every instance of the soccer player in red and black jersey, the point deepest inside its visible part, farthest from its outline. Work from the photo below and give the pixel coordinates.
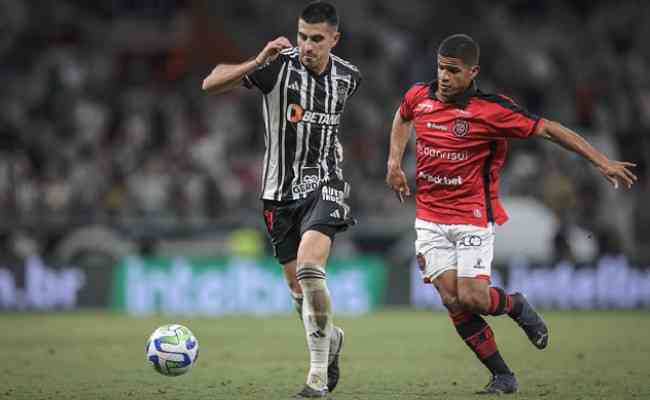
(461, 139)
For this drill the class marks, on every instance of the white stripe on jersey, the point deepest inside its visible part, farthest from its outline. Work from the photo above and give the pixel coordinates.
(335, 99)
(283, 134)
(346, 63)
(327, 131)
(312, 95)
(300, 131)
(272, 119)
(265, 114)
(291, 51)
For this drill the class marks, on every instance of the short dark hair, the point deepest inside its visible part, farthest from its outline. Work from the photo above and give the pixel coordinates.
(320, 11)
(460, 46)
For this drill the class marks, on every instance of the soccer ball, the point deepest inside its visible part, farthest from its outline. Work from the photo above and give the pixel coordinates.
(172, 349)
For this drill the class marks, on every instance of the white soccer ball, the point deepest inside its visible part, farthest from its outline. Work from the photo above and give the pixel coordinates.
(172, 349)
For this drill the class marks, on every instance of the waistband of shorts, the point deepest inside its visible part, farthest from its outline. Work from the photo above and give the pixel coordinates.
(420, 221)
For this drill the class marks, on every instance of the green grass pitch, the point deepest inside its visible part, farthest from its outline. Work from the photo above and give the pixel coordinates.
(395, 354)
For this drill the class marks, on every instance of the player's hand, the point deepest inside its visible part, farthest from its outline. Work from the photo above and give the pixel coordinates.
(396, 180)
(272, 50)
(614, 171)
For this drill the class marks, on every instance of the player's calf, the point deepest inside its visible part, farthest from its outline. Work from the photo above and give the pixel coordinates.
(479, 337)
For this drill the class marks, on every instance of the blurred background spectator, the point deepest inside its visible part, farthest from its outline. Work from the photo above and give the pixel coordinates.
(102, 119)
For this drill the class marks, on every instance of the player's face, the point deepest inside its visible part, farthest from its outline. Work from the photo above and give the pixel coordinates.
(454, 76)
(315, 42)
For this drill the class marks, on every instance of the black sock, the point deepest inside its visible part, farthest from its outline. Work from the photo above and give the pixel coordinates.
(496, 364)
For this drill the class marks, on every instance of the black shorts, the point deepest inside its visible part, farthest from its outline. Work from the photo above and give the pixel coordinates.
(323, 210)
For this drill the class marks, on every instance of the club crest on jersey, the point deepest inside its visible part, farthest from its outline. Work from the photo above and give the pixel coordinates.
(294, 113)
(460, 127)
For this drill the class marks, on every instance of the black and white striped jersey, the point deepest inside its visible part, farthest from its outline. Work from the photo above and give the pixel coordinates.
(302, 115)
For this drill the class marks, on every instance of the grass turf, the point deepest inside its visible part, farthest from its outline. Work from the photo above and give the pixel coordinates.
(395, 354)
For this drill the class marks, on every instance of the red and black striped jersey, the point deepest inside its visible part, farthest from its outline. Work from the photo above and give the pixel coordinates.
(460, 150)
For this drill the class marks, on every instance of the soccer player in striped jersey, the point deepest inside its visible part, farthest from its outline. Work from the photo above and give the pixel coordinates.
(461, 139)
(304, 92)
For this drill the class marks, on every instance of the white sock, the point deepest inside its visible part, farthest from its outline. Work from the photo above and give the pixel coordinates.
(334, 337)
(317, 319)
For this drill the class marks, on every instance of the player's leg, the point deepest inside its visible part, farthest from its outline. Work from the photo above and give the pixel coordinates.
(327, 215)
(477, 295)
(475, 254)
(283, 225)
(437, 259)
(337, 337)
(283, 228)
(317, 308)
(476, 333)
(289, 269)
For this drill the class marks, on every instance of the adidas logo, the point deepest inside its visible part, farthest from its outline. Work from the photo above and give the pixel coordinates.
(295, 86)
(335, 214)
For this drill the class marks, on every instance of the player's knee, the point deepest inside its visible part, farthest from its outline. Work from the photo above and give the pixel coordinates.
(473, 300)
(314, 248)
(450, 302)
(311, 256)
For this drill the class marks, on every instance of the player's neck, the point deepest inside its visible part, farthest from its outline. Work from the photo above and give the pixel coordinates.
(452, 98)
(318, 71)
(443, 98)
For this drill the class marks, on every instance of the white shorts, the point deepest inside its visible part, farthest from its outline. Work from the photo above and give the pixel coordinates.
(468, 249)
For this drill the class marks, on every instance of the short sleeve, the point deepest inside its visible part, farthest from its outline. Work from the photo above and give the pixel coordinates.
(511, 120)
(356, 82)
(406, 107)
(266, 76)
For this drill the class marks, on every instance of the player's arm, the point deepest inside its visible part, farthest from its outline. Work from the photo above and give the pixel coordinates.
(399, 137)
(225, 77)
(612, 170)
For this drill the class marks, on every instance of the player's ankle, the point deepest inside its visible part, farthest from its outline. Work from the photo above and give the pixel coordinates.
(517, 305)
(317, 378)
(500, 302)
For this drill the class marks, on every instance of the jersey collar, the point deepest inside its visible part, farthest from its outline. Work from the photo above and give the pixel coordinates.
(326, 71)
(461, 100)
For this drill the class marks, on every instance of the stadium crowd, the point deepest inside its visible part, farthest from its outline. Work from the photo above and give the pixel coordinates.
(103, 119)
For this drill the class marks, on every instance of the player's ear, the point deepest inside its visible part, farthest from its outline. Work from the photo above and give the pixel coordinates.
(475, 70)
(335, 38)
